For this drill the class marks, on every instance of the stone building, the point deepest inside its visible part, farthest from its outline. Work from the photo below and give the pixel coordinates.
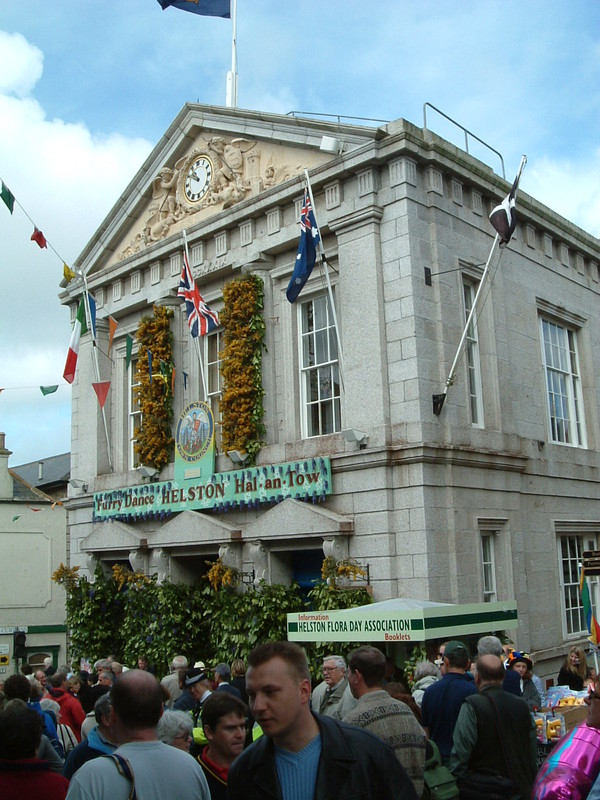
(495, 498)
(33, 542)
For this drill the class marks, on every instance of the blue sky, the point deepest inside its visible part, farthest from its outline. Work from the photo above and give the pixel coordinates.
(88, 88)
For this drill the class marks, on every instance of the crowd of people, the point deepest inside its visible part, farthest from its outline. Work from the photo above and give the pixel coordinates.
(261, 729)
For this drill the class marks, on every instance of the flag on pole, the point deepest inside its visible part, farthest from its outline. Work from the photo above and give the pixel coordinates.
(590, 619)
(38, 237)
(201, 319)
(207, 8)
(79, 328)
(92, 305)
(8, 197)
(307, 250)
(503, 217)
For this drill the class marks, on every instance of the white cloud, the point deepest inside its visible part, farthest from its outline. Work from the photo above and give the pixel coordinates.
(570, 188)
(65, 179)
(22, 64)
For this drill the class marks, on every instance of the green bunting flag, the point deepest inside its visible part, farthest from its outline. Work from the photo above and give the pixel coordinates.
(128, 350)
(8, 197)
(48, 389)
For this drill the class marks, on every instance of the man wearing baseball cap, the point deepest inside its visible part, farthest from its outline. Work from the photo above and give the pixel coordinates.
(443, 699)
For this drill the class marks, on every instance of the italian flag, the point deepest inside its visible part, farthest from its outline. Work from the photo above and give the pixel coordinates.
(79, 327)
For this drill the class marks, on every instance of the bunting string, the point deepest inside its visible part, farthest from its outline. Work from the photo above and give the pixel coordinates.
(37, 236)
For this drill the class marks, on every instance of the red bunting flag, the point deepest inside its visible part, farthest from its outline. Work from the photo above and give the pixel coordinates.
(38, 236)
(101, 390)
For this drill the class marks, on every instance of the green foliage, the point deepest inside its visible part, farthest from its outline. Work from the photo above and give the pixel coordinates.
(126, 614)
(418, 654)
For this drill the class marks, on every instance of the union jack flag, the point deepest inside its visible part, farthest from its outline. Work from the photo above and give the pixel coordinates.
(201, 319)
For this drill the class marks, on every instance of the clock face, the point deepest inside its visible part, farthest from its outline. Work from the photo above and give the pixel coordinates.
(197, 180)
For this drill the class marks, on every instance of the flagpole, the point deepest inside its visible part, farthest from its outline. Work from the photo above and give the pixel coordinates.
(88, 315)
(231, 95)
(196, 338)
(439, 399)
(323, 264)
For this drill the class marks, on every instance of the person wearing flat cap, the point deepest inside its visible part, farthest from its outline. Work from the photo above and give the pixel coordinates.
(442, 700)
(198, 683)
(523, 666)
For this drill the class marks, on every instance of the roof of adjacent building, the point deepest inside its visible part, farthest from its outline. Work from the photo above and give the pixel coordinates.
(44, 473)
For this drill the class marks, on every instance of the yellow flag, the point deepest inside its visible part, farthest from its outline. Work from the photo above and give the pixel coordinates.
(68, 273)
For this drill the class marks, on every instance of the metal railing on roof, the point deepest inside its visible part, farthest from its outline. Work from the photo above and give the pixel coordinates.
(338, 117)
(465, 131)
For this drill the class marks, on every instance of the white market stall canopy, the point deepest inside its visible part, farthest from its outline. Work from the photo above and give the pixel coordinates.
(401, 620)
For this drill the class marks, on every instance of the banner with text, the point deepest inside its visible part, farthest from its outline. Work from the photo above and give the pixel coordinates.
(223, 491)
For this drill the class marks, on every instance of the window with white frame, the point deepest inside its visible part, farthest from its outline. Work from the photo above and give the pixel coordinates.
(472, 356)
(319, 368)
(134, 413)
(213, 344)
(563, 383)
(488, 566)
(570, 555)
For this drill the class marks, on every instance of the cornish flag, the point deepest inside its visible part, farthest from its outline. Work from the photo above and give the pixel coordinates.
(79, 328)
(503, 217)
(307, 250)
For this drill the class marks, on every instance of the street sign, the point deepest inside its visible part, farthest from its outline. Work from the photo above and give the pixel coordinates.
(591, 562)
(13, 629)
(4, 661)
(4, 649)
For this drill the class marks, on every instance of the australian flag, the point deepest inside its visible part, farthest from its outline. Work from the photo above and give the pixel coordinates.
(307, 250)
(201, 319)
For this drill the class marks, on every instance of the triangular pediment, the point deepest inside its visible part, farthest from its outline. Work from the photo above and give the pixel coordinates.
(110, 536)
(190, 528)
(293, 519)
(209, 161)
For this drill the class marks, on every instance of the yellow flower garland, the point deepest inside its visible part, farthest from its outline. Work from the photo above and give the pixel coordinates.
(241, 366)
(154, 440)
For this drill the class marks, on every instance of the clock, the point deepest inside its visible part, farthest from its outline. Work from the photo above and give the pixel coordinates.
(198, 178)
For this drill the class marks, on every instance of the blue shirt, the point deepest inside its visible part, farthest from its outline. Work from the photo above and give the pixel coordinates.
(440, 708)
(297, 772)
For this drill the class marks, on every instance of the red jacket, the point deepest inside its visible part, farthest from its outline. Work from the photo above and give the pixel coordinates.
(71, 710)
(29, 779)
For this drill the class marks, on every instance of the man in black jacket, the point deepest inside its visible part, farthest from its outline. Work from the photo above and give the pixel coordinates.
(495, 732)
(302, 754)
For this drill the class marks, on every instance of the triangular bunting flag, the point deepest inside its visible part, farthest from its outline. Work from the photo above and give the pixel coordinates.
(101, 388)
(128, 351)
(48, 389)
(16, 517)
(38, 237)
(112, 327)
(8, 197)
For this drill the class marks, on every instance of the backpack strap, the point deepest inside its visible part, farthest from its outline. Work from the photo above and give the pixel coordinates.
(124, 767)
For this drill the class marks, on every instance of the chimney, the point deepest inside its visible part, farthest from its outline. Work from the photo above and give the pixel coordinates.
(6, 481)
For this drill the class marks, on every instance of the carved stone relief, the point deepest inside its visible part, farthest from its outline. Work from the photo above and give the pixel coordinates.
(217, 172)
(260, 558)
(161, 562)
(231, 555)
(335, 547)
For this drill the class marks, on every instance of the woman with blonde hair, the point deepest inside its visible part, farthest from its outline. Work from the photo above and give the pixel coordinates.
(573, 671)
